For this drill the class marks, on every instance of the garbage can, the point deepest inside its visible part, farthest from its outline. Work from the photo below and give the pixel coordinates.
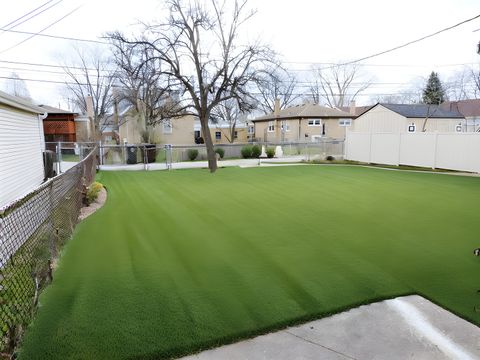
(132, 154)
(151, 150)
(48, 160)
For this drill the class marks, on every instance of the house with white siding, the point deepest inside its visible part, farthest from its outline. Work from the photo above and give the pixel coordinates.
(400, 118)
(21, 148)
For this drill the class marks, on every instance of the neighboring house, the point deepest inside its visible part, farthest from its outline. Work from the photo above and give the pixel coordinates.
(470, 109)
(395, 118)
(21, 147)
(109, 128)
(177, 131)
(307, 122)
(185, 130)
(221, 132)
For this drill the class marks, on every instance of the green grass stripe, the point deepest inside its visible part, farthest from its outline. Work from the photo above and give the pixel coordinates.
(184, 260)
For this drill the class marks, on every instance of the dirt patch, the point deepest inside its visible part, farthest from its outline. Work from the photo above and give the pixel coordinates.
(97, 204)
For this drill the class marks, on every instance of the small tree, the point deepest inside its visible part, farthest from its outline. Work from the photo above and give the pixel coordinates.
(433, 93)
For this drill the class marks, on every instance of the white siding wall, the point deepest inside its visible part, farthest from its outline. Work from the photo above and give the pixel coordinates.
(380, 119)
(21, 146)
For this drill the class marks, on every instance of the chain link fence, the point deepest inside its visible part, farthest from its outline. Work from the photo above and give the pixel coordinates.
(131, 154)
(32, 232)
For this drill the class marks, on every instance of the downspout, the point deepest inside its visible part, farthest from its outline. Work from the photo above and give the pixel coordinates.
(41, 117)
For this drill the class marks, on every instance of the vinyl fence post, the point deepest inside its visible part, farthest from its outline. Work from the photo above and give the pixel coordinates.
(370, 148)
(435, 146)
(399, 149)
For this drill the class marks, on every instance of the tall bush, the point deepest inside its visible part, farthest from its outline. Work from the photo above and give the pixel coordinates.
(256, 151)
(192, 154)
(247, 152)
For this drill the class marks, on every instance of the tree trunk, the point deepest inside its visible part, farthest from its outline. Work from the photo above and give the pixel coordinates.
(211, 156)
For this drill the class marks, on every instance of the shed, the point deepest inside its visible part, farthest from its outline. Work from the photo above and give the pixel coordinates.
(21, 147)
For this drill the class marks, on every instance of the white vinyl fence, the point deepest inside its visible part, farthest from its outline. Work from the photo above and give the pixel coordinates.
(454, 151)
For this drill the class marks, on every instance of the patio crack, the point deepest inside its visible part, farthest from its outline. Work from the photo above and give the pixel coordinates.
(322, 346)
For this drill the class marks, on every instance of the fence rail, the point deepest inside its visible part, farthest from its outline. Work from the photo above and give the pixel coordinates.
(32, 231)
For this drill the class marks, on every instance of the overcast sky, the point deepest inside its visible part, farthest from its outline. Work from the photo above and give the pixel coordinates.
(302, 31)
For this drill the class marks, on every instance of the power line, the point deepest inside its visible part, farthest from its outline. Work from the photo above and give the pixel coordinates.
(32, 11)
(53, 66)
(253, 93)
(58, 37)
(45, 28)
(410, 42)
(375, 65)
(31, 17)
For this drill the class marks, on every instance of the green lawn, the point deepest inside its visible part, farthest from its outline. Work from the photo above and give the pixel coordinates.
(184, 260)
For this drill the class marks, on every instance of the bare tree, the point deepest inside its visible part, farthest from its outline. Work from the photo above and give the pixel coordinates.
(91, 74)
(337, 85)
(200, 54)
(277, 84)
(459, 85)
(16, 86)
(475, 76)
(141, 83)
(228, 113)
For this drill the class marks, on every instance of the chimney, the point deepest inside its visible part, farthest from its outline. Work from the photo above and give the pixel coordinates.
(352, 107)
(276, 111)
(89, 101)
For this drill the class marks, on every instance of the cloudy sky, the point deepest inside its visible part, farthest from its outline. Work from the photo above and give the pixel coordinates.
(304, 32)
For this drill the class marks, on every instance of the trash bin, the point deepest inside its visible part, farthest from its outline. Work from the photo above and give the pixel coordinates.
(132, 154)
(48, 160)
(151, 150)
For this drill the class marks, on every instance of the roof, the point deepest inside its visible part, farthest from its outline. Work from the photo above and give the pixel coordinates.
(359, 110)
(19, 103)
(468, 108)
(422, 111)
(305, 111)
(53, 110)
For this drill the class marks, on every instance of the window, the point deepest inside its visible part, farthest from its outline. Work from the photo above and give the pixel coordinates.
(235, 135)
(345, 122)
(271, 126)
(218, 135)
(167, 127)
(412, 128)
(285, 127)
(314, 122)
(251, 130)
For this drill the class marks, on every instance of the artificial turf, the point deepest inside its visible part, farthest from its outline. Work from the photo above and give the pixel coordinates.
(183, 260)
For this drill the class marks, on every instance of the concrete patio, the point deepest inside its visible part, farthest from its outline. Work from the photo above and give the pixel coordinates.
(404, 328)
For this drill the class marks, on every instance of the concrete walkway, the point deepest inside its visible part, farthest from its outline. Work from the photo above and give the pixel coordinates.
(404, 328)
(294, 160)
